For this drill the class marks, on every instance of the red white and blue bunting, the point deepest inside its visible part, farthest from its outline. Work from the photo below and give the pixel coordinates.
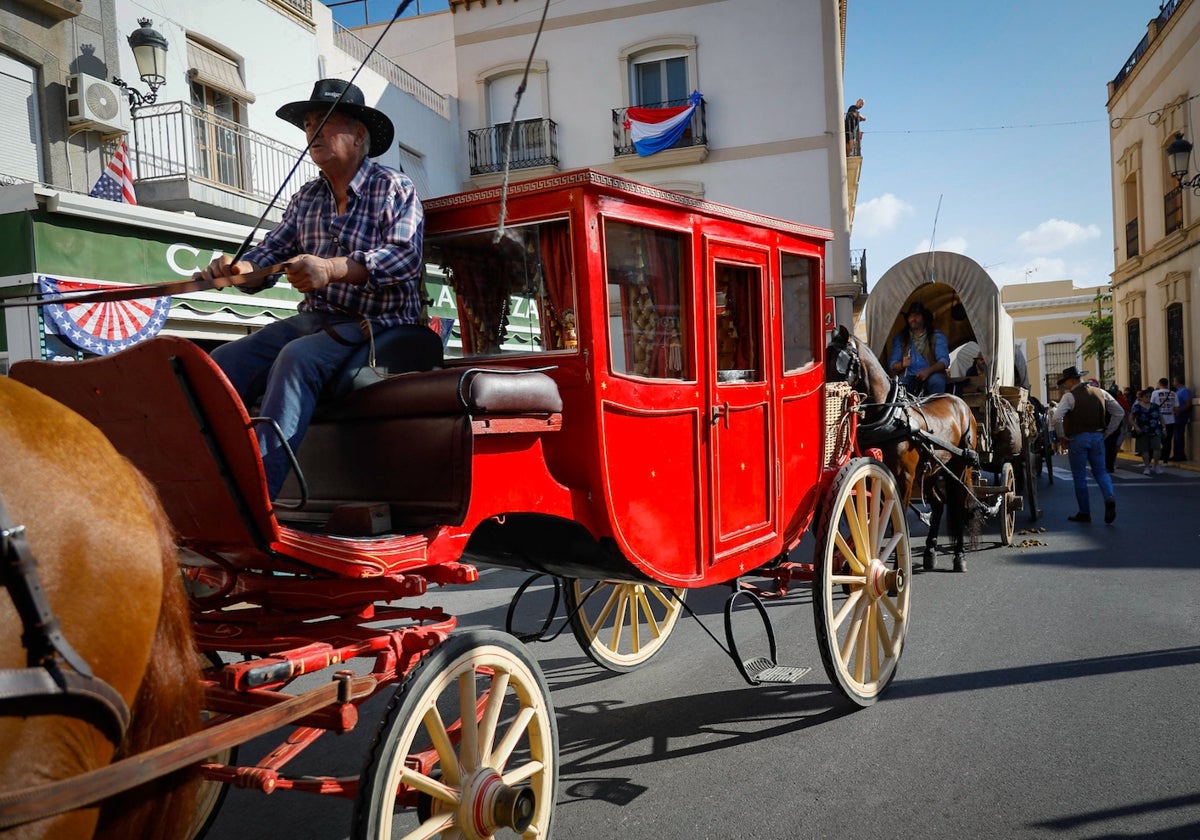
(655, 129)
(102, 328)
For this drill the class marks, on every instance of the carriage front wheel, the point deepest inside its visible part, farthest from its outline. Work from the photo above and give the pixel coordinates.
(861, 580)
(621, 625)
(468, 748)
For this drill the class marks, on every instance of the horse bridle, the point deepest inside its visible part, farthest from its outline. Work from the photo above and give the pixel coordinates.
(55, 671)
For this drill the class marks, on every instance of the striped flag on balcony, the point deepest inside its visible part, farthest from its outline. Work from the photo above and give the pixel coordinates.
(655, 129)
(116, 181)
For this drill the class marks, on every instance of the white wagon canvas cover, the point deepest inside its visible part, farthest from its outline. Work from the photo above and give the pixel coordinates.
(965, 303)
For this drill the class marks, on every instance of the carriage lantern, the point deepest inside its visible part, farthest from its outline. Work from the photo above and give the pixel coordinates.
(1179, 153)
(150, 52)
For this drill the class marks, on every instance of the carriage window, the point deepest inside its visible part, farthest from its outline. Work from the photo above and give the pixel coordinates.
(647, 324)
(738, 315)
(796, 281)
(489, 299)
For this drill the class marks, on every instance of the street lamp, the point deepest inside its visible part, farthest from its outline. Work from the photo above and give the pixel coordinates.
(1179, 154)
(150, 52)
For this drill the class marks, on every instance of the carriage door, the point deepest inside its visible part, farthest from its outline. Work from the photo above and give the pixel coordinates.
(741, 442)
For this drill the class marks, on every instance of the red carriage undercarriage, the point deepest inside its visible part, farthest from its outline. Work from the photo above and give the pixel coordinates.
(662, 423)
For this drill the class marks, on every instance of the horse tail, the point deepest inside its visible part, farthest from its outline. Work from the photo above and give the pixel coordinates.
(166, 709)
(974, 510)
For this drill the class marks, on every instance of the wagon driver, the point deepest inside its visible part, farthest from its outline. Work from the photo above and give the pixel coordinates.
(351, 241)
(920, 354)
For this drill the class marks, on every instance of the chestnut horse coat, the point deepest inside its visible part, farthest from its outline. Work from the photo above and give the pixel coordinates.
(107, 563)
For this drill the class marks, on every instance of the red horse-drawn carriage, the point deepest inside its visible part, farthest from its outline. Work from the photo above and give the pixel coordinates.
(660, 421)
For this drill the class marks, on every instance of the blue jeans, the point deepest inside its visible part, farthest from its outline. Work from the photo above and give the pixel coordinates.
(934, 384)
(1088, 448)
(286, 364)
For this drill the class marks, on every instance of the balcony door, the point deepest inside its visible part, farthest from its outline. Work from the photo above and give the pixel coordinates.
(529, 141)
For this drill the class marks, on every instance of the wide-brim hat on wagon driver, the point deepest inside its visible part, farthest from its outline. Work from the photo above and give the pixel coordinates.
(922, 309)
(324, 93)
(1071, 373)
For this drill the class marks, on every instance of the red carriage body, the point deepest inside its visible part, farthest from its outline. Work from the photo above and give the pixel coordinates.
(661, 419)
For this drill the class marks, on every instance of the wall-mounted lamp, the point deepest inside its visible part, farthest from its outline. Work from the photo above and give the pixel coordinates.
(1179, 155)
(150, 52)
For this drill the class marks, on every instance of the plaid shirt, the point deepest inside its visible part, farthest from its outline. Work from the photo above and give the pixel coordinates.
(382, 229)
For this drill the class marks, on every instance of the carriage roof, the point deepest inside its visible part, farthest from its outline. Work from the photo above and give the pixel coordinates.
(963, 298)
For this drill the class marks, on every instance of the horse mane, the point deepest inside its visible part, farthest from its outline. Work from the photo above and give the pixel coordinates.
(167, 707)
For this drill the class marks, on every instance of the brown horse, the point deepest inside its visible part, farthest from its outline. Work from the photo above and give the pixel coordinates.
(928, 444)
(107, 563)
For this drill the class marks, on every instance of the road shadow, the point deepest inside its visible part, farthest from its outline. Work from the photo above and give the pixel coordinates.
(1049, 672)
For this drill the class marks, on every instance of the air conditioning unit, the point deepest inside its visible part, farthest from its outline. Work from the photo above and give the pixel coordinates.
(97, 104)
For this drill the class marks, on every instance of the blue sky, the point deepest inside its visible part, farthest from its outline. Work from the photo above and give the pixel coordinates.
(359, 12)
(998, 109)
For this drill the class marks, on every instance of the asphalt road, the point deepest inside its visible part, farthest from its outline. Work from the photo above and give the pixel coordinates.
(1051, 691)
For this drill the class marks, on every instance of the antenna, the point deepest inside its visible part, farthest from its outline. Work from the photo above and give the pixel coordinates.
(933, 234)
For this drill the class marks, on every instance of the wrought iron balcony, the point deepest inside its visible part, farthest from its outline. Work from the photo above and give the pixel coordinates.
(696, 134)
(534, 144)
(186, 158)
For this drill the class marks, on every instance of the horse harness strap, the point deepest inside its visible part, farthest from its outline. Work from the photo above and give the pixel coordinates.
(55, 669)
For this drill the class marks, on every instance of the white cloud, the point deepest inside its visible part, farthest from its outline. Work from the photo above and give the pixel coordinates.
(1055, 235)
(1039, 270)
(955, 244)
(880, 215)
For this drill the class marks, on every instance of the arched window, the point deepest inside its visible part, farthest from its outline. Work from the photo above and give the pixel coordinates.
(1133, 349)
(660, 72)
(1175, 341)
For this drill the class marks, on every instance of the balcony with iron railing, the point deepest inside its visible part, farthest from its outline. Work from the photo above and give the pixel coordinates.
(691, 147)
(1166, 9)
(533, 145)
(186, 158)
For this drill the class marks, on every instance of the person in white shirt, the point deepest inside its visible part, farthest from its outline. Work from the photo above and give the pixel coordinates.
(1167, 402)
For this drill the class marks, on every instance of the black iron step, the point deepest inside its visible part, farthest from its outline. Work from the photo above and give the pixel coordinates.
(763, 670)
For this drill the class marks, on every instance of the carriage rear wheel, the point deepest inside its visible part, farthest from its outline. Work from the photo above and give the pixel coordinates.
(1008, 510)
(470, 739)
(621, 625)
(860, 586)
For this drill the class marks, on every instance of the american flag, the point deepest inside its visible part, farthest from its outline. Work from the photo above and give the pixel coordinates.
(116, 181)
(102, 328)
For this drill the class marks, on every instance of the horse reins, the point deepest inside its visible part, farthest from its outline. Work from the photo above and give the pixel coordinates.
(55, 670)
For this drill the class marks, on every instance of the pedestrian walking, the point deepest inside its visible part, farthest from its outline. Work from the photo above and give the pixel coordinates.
(1167, 402)
(1183, 415)
(1080, 422)
(1145, 421)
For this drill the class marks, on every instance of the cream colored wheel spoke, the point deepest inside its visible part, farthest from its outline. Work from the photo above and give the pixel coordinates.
(861, 582)
(621, 624)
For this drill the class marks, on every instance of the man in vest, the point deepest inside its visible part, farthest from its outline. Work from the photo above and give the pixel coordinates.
(1085, 416)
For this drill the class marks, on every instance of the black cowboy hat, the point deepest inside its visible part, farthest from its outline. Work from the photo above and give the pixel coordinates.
(324, 93)
(1071, 373)
(917, 306)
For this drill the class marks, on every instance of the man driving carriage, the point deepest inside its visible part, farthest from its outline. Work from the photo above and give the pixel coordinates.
(920, 354)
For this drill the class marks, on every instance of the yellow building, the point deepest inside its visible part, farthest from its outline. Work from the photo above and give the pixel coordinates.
(1048, 329)
(1156, 200)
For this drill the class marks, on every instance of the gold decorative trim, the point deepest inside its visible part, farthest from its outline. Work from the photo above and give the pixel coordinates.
(582, 177)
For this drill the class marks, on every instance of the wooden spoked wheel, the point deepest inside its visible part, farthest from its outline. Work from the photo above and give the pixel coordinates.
(621, 625)
(1008, 510)
(467, 749)
(861, 580)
